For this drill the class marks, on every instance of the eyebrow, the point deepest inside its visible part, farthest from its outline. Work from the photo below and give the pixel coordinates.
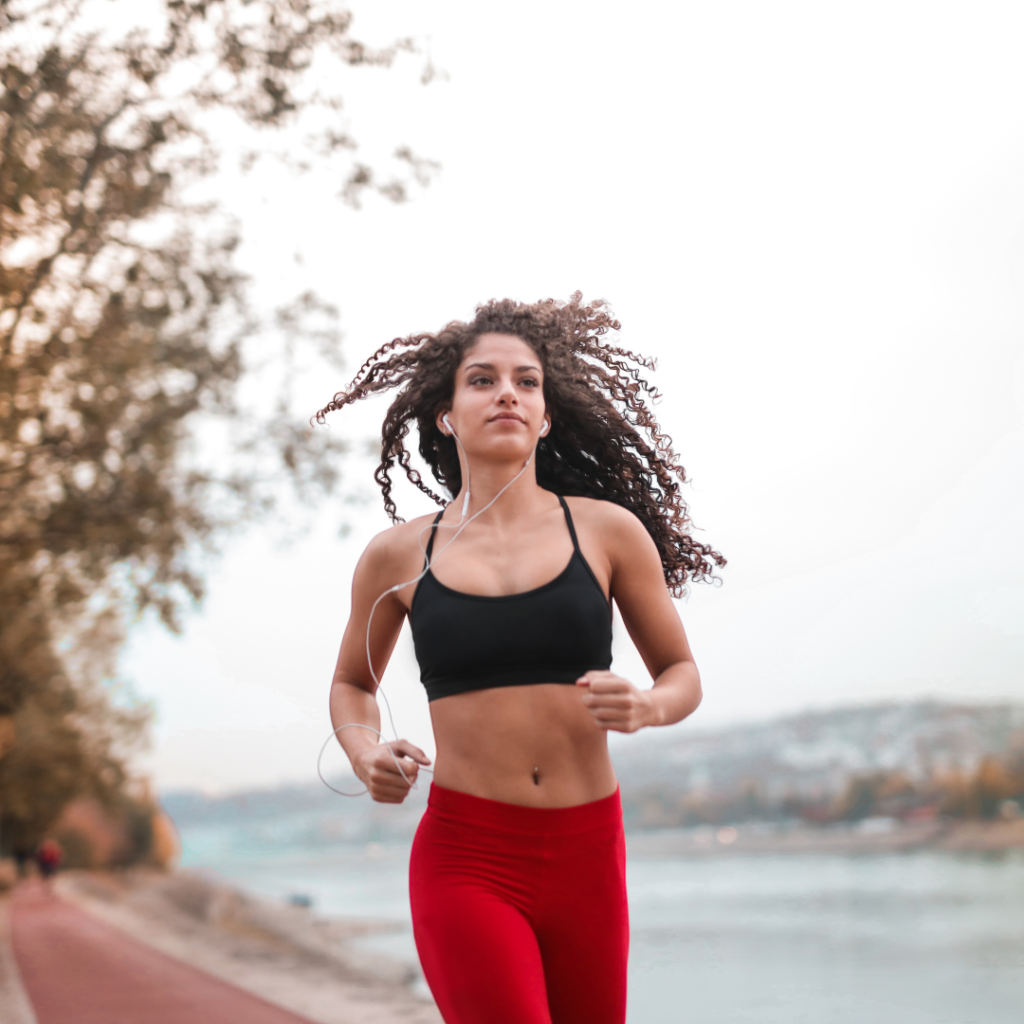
(491, 366)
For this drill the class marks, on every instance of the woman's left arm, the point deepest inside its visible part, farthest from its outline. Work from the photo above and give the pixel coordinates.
(638, 588)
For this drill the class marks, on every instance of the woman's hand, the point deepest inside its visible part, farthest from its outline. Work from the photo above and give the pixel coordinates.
(376, 768)
(616, 703)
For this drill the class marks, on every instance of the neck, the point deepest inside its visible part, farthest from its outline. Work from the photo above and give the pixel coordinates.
(487, 481)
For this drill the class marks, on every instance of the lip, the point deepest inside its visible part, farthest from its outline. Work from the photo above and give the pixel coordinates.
(506, 416)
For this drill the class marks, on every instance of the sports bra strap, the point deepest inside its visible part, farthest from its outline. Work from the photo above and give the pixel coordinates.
(437, 519)
(568, 522)
(433, 534)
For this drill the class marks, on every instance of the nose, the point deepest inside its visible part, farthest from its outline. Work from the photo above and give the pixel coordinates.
(507, 394)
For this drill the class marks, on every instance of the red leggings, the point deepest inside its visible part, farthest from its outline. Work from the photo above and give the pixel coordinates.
(520, 913)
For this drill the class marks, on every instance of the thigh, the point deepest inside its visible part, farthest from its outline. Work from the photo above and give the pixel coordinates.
(584, 936)
(478, 951)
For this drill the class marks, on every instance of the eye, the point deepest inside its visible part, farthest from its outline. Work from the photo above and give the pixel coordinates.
(530, 382)
(479, 380)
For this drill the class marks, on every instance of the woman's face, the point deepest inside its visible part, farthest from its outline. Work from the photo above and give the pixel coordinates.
(498, 403)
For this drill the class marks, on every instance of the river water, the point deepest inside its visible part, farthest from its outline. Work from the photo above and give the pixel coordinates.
(916, 938)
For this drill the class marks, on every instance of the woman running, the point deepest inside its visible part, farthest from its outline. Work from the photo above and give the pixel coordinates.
(565, 498)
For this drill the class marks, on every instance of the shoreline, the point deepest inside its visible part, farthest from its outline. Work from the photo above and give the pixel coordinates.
(873, 836)
(284, 954)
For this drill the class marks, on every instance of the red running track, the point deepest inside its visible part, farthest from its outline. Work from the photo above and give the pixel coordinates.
(77, 970)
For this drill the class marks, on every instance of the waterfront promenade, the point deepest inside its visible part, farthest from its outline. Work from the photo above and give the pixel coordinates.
(75, 969)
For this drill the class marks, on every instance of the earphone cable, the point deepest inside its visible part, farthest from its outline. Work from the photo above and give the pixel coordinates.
(428, 562)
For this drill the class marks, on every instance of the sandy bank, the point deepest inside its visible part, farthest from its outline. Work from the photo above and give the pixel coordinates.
(284, 954)
(872, 836)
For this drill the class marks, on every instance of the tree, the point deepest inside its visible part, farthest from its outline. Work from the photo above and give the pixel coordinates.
(876, 793)
(124, 323)
(992, 784)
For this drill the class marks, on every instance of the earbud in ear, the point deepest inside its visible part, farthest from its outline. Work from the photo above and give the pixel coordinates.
(545, 428)
(448, 423)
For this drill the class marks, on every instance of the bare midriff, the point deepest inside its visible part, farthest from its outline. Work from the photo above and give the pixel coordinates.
(536, 746)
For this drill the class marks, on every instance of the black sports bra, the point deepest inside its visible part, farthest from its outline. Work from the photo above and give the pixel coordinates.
(551, 634)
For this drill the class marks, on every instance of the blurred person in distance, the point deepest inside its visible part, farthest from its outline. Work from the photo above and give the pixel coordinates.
(48, 859)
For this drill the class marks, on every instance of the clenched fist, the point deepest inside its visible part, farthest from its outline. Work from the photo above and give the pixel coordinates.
(378, 769)
(616, 703)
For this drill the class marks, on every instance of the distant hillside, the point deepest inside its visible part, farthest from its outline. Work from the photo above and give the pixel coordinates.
(817, 752)
(795, 766)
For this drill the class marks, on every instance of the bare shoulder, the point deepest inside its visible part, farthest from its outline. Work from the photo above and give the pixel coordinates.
(607, 520)
(629, 551)
(618, 534)
(393, 552)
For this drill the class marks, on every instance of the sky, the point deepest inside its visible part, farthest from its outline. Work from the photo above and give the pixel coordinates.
(810, 214)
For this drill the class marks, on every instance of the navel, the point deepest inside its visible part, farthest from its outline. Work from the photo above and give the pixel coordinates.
(536, 776)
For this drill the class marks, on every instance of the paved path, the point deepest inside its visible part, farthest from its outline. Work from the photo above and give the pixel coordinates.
(77, 970)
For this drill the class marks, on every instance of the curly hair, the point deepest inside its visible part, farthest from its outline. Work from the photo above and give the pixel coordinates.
(603, 443)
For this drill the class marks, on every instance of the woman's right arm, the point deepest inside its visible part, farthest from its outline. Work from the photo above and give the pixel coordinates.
(352, 689)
